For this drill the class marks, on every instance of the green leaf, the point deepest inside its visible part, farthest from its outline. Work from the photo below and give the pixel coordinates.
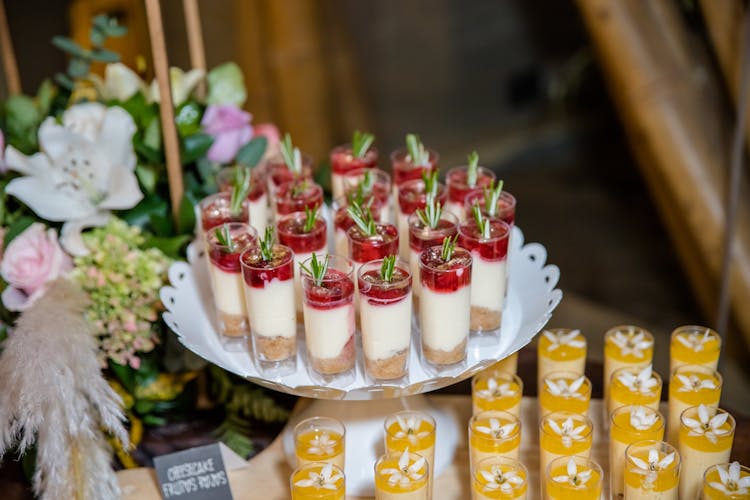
(105, 55)
(125, 374)
(188, 118)
(186, 215)
(207, 171)
(78, 68)
(44, 96)
(147, 177)
(140, 215)
(171, 246)
(161, 225)
(69, 46)
(226, 85)
(64, 81)
(19, 226)
(139, 108)
(194, 146)
(21, 113)
(150, 154)
(154, 421)
(143, 406)
(251, 153)
(152, 134)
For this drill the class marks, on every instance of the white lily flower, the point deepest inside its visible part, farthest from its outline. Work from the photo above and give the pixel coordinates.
(567, 431)
(120, 83)
(83, 171)
(325, 480)
(182, 84)
(495, 390)
(731, 482)
(496, 430)
(562, 389)
(695, 383)
(631, 343)
(644, 382)
(407, 471)
(650, 469)
(409, 429)
(506, 481)
(574, 477)
(707, 426)
(694, 340)
(561, 338)
(322, 445)
(642, 418)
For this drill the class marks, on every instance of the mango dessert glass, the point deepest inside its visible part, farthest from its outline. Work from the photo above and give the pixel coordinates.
(626, 345)
(706, 437)
(691, 385)
(494, 433)
(652, 471)
(318, 481)
(560, 349)
(564, 391)
(629, 424)
(508, 364)
(499, 478)
(563, 433)
(402, 476)
(694, 345)
(496, 390)
(726, 482)
(415, 431)
(634, 386)
(573, 478)
(320, 439)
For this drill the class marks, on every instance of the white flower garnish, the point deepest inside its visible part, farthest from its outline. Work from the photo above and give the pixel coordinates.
(631, 343)
(567, 431)
(650, 469)
(694, 340)
(731, 483)
(406, 472)
(506, 481)
(561, 338)
(326, 479)
(574, 477)
(322, 445)
(561, 388)
(694, 383)
(642, 419)
(409, 429)
(496, 430)
(710, 427)
(495, 390)
(644, 382)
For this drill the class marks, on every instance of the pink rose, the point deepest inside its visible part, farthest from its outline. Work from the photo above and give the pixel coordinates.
(272, 135)
(230, 127)
(31, 261)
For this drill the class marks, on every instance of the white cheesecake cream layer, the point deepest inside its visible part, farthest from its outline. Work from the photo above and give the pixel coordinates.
(456, 209)
(403, 235)
(641, 494)
(271, 309)
(337, 185)
(416, 285)
(444, 317)
(386, 329)
(299, 258)
(340, 243)
(548, 365)
(488, 282)
(418, 494)
(617, 466)
(694, 465)
(259, 214)
(328, 330)
(228, 293)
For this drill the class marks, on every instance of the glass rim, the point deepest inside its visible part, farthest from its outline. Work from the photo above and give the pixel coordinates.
(499, 413)
(377, 263)
(348, 272)
(207, 200)
(308, 421)
(565, 414)
(743, 468)
(444, 215)
(403, 189)
(434, 269)
(278, 159)
(494, 373)
(390, 419)
(324, 493)
(634, 370)
(706, 370)
(716, 410)
(317, 228)
(621, 409)
(393, 454)
(288, 258)
(379, 225)
(348, 146)
(355, 172)
(212, 240)
(647, 443)
(463, 168)
(695, 329)
(577, 458)
(434, 157)
(504, 195)
(501, 459)
(482, 241)
(636, 329)
(573, 376)
(282, 193)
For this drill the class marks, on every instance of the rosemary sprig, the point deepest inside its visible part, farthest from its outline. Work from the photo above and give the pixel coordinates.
(317, 269)
(298, 188)
(266, 244)
(387, 268)
(430, 216)
(292, 156)
(224, 237)
(240, 189)
(361, 142)
(368, 181)
(492, 196)
(473, 169)
(362, 217)
(311, 215)
(482, 223)
(449, 246)
(430, 183)
(417, 152)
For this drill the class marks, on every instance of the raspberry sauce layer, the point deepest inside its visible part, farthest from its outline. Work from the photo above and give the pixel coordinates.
(336, 290)
(381, 292)
(365, 248)
(217, 211)
(343, 221)
(381, 184)
(506, 205)
(225, 259)
(291, 232)
(458, 188)
(422, 236)
(279, 173)
(258, 271)
(441, 276)
(342, 159)
(412, 196)
(493, 248)
(297, 195)
(404, 170)
(257, 182)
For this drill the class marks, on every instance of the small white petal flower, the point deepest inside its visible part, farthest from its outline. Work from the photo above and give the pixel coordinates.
(506, 481)
(694, 341)
(574, 477)
(322, 445)
(631, 343)
(407, 471)
(567, 431)
(649, 470)
(409, 429)
(561, 338)
(695, 383)
(496, 430)
(495, 390)
(707, 426)
(561, 388)
(326, 479)
(644, 382)
(642, 419)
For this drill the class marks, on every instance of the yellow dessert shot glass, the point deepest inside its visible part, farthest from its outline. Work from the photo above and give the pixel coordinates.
(626, 345)
(706, 437)
(694, 345)
(509, 364)
(320, 439)
(565, 391)
(634, 386)
(652, 471)
(691, 385)
(318, 481)
(573, 478)
(402, 476)
(494, 433)
(563, 433)
(413, 431)
(496, 390)
(628, 425)
(499, 478)
(726, 482)
(560, 349)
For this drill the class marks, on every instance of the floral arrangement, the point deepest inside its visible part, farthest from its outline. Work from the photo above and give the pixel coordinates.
(85, 197)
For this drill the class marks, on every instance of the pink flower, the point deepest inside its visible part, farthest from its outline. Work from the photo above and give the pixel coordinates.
(32, 260)
(272, 135)
(230, 127)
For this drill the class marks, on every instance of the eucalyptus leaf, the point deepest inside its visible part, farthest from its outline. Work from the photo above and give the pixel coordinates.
(250, 154)
(69, 46)
(194, 146)
(188, 118)
(78, 68)
(226, 85)
(64, 81)
(105, 56)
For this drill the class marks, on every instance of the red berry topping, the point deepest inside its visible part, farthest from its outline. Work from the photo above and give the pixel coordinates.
(225, 258)
(421, 236)
(216, 210)
(381, 292)
(297, 195)
(280, 174)
(493, 248)
(458, 189)
(258, 271)
(364, 248)
(291, 232)
(403, 169)
(342, 159)
(335, 290)
(412, 196)
(441, 276)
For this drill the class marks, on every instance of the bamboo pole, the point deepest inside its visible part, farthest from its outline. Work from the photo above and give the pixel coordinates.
(10, 66)
(195, 41)
(166, 108)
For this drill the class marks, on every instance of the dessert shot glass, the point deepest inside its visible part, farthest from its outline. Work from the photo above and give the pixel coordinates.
(694, 345)
(412, 431)
(652, 471)
(494, 433)
(691, 385)
(560, 350)
(343, 161)
(460, 184)
(320, 439)
(402, 476)
(634, 386)
(573, 477)
(563, 433)
(726, 482)
(565, 391)
(318, 481)
(499, 478)
(493, 389)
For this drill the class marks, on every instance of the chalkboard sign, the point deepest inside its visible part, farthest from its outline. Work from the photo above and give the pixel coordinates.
(196, 474)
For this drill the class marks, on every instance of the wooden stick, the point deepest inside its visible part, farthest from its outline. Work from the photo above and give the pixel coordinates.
(195, 41)
(166, 108)
(10, 66)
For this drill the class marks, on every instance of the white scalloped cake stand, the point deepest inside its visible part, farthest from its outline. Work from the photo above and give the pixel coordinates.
(531, 298)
